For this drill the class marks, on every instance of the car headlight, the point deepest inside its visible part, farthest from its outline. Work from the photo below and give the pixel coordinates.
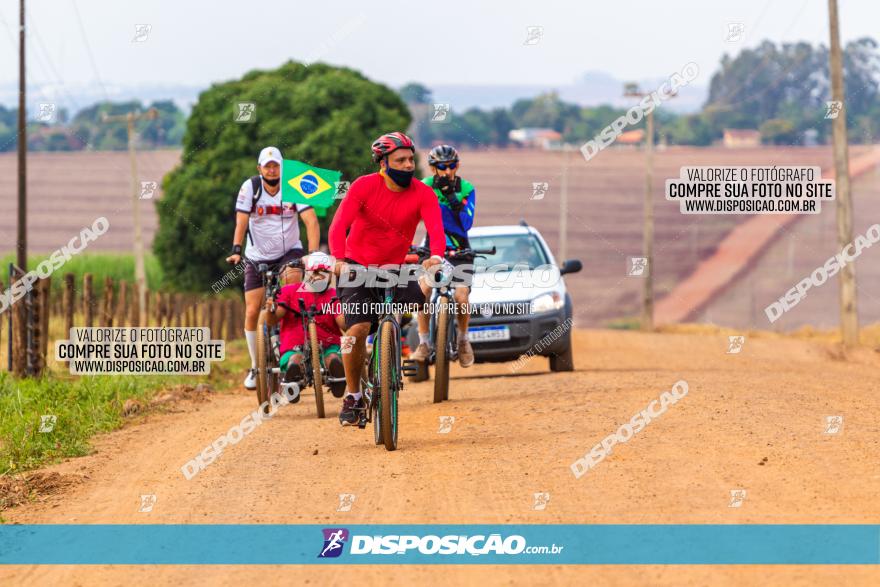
(547, 303)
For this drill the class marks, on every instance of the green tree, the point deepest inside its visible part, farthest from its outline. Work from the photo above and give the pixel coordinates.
(415, 93)
(165, 130)
(779, 131)
(790, 81)
(324, 115)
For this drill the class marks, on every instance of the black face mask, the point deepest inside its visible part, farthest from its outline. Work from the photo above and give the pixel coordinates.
(271, 182)
(401, 178)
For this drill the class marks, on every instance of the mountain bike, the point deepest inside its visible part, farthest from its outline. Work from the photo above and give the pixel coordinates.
(268, 370)
(382, 377)
(442, 330)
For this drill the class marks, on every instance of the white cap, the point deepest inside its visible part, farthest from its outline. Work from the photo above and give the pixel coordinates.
(270, 154)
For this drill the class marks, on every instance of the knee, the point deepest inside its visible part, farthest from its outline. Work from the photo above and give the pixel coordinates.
(359, 330)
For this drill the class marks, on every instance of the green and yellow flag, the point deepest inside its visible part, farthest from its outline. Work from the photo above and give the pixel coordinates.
(305, 184)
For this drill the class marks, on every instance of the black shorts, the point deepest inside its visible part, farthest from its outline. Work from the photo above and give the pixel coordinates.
(252, 277)
(358, 300)
(462, 277)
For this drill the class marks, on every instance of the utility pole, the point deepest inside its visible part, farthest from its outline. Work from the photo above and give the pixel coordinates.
(140, 275)
(18, 328)
(563, 204)
(849, 320)
(21, 245)
(632, 90)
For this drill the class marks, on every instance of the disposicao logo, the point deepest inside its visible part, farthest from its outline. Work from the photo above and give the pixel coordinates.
(334, 541)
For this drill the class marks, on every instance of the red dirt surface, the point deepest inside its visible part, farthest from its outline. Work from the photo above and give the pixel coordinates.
(754, 420)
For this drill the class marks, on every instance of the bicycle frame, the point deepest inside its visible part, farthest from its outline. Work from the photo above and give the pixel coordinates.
(446, 292)
(372, 380)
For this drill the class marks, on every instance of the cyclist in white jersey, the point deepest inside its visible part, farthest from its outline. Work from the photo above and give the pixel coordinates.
(273, 237)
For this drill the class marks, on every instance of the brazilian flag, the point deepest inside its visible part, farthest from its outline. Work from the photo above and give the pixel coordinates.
(302, 183)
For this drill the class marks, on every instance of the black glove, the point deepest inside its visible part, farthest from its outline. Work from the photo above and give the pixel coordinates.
(448, 189)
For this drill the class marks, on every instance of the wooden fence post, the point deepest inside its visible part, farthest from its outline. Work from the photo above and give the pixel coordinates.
(68, 303)
(41, 324)
(221, 318)
(88, 300)
(178, 309)
(191, 310)
(145, 319)
(230, 319)
(19, 343)
(158, 310)
(121, 301)
(108, 302)
(134, 318)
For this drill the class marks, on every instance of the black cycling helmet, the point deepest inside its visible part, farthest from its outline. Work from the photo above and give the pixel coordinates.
(442, 154)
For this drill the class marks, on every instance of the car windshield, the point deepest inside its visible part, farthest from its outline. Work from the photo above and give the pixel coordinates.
(517, 251)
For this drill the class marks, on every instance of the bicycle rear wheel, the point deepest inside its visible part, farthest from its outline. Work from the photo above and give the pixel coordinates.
(263, 344)
(441, 354)
(387, 387)
(316, 369)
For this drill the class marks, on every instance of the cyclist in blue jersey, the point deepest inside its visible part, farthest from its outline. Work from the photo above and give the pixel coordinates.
(457, 198)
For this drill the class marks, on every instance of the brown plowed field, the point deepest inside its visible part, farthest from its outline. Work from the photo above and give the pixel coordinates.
(69, 190)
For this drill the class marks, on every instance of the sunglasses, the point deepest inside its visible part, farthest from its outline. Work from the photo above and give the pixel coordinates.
(445, 166)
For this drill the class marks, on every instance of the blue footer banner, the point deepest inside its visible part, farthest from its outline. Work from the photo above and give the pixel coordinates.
(563, 544)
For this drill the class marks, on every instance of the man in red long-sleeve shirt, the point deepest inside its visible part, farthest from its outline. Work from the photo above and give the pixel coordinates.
(375, 225)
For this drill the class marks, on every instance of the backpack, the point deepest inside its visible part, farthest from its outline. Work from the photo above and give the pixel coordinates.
(257, 189)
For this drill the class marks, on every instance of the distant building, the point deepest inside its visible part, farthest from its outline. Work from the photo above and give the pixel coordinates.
(738, 138)
(541, 138)
(811, 137)
(631, 137)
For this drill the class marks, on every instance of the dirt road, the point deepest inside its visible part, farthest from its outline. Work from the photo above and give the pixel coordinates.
(754, 420)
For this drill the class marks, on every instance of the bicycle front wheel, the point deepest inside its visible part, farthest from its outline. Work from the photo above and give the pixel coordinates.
(387, 387)
(263, 349)
(441, 354)
(316, 369)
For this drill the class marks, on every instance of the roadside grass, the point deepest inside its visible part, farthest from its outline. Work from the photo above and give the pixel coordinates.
(624, 324)
(84, 406)
(118, 266)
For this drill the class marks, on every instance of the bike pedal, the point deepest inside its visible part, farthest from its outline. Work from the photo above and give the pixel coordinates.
(410, 367)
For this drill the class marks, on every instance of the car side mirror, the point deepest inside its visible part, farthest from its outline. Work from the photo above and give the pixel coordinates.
(570, 266)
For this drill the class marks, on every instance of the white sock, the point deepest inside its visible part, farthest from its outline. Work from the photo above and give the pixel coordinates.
(462, 334)
(424, 338)
(251, 337)
(356, 396)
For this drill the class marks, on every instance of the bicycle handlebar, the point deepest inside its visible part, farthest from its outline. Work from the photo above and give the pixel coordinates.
(424, 252)
(311, 310)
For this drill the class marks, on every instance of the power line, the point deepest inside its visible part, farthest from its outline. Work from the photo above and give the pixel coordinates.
(85, 39)
(51, 66)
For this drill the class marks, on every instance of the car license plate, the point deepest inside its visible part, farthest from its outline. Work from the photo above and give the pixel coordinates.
(486, 333)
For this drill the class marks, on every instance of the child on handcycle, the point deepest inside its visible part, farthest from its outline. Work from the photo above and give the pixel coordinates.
(314, 289)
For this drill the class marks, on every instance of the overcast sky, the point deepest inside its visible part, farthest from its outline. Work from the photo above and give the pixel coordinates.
(196, 42)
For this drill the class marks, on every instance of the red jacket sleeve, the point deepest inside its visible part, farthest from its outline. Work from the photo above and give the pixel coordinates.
(343, 219)
(433, 220)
